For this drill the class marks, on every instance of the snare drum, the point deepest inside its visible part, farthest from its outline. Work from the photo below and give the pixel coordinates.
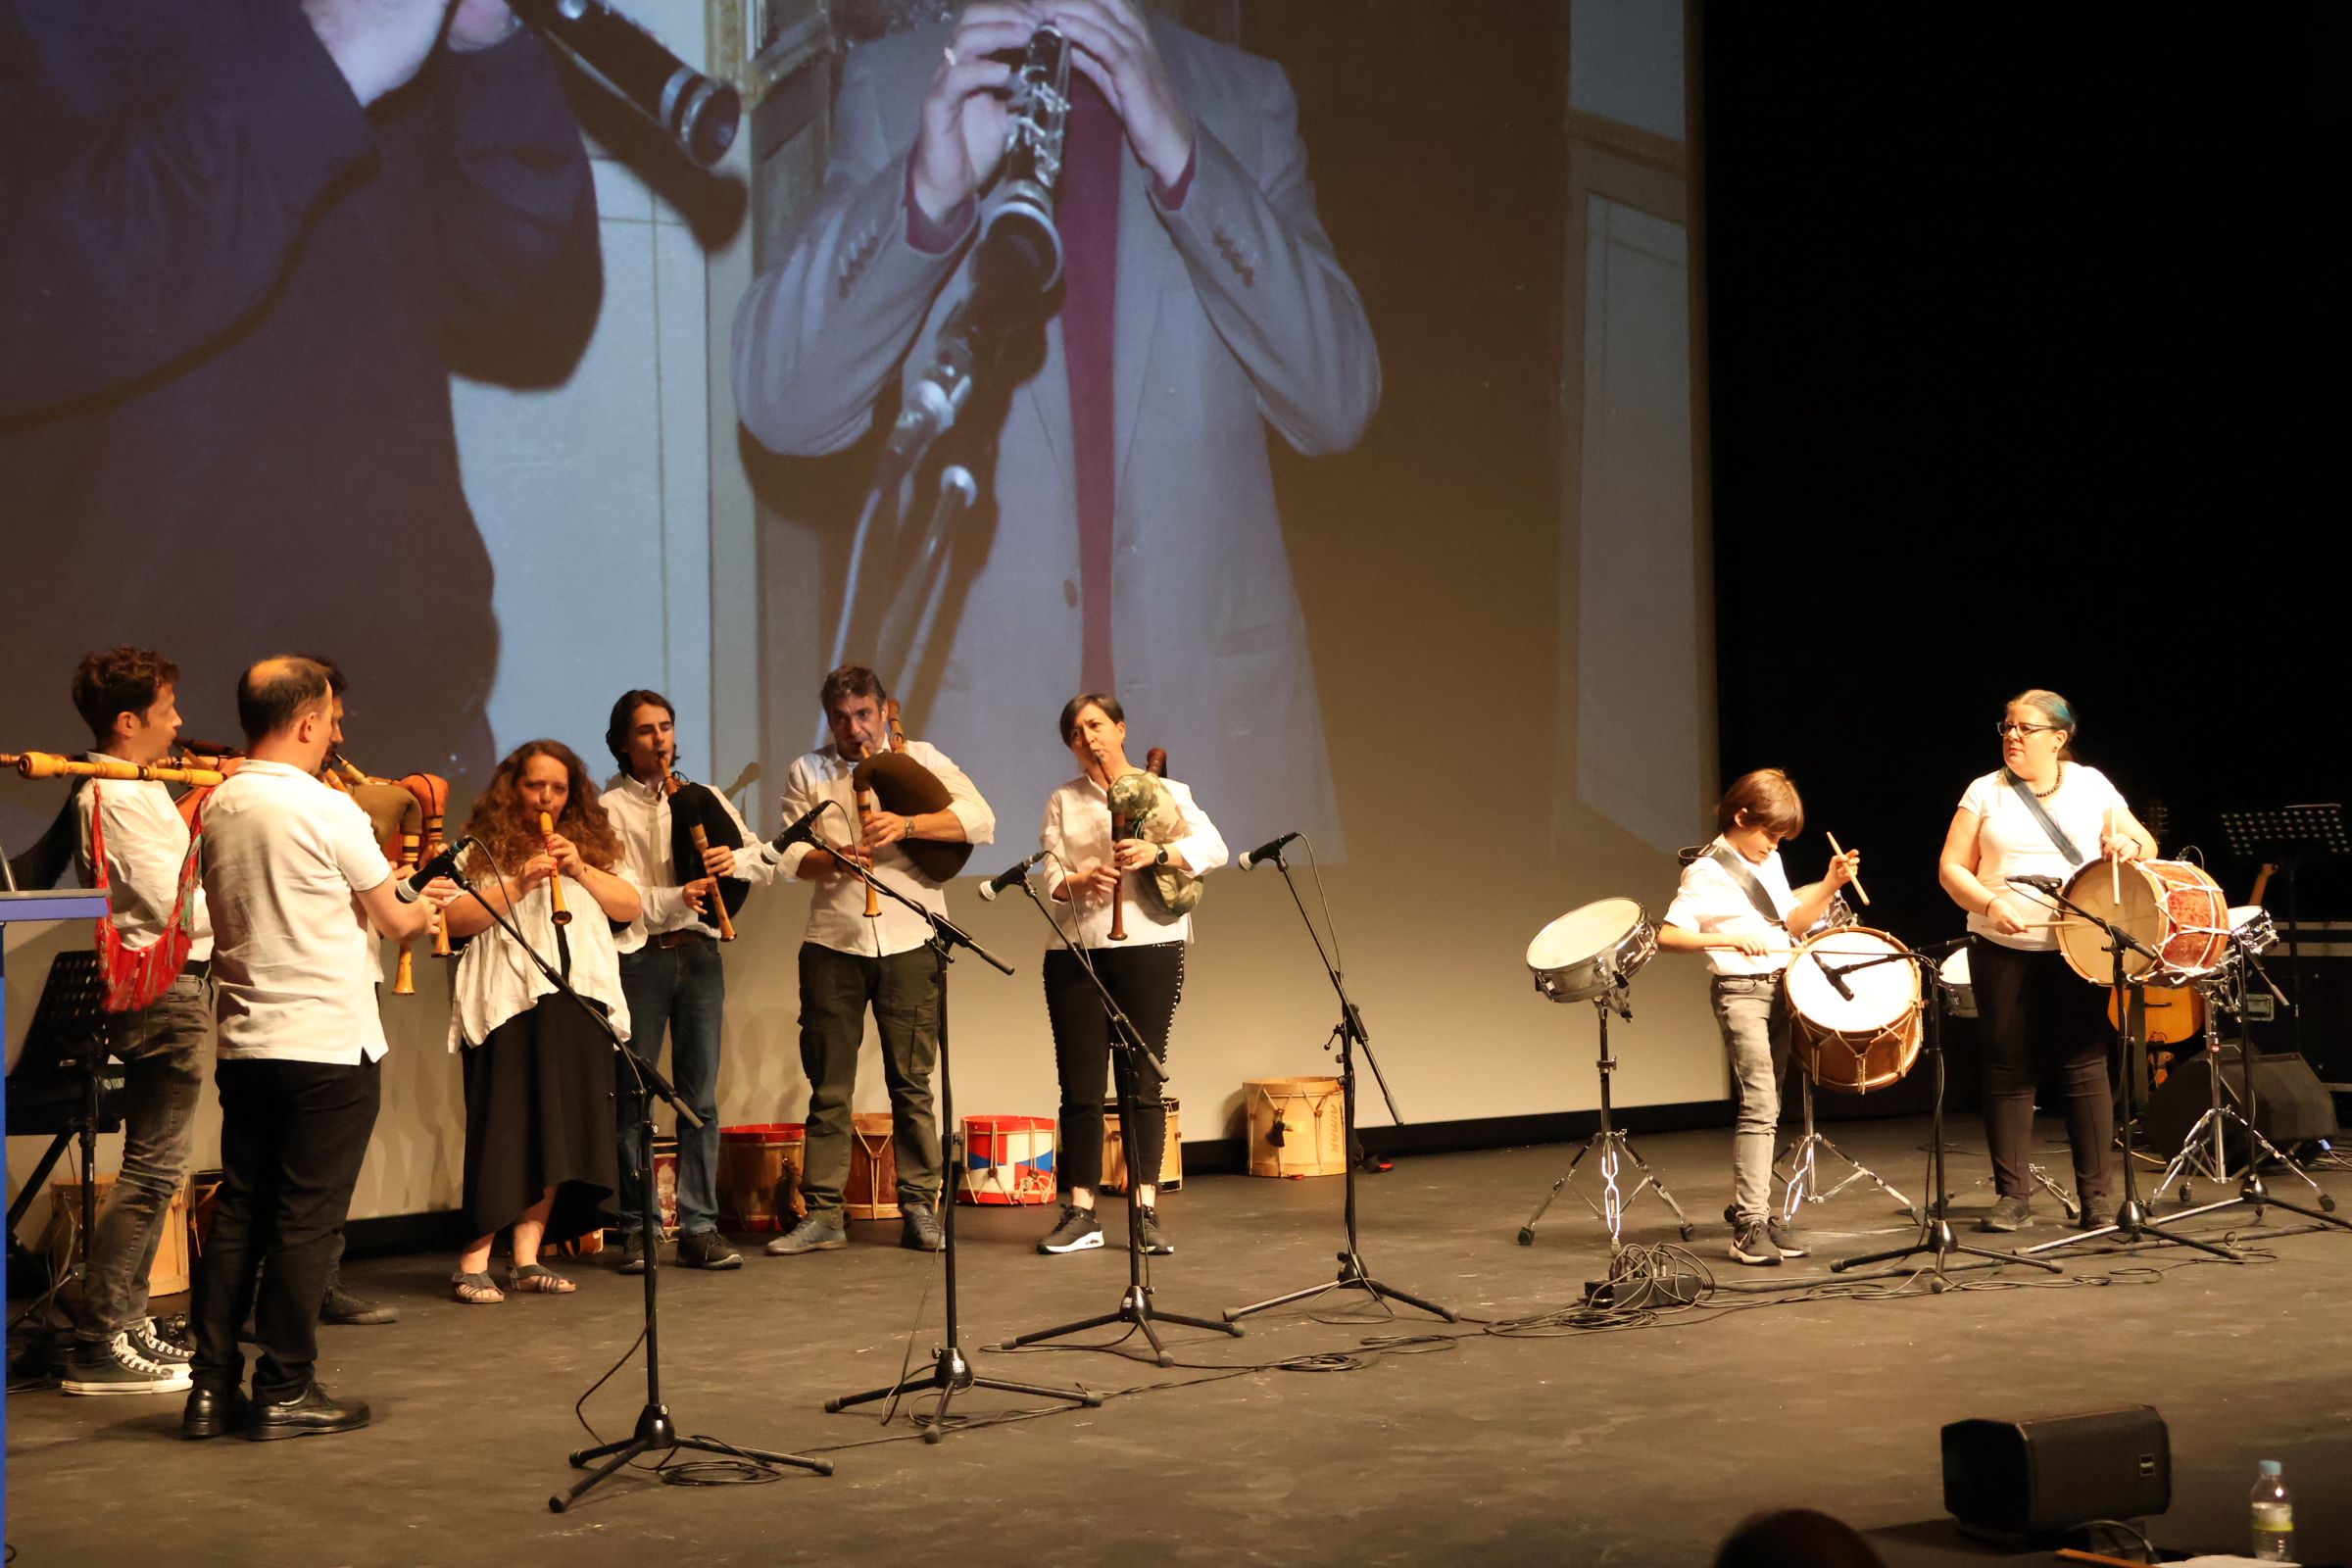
(1867, 1035)
(1592, 951)
(1958, 985)
(2171, 906)
(2256, 932)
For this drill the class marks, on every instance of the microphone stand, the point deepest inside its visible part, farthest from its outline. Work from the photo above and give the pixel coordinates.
(2132, 1220)
(950, 1371)
(1348, 1034)
(1134, 1306)
(654, 1430)
(1935, 1238)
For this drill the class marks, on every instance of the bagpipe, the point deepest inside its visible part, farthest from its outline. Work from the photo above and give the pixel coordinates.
(698, 821)
(899, 784)
(1141, 808)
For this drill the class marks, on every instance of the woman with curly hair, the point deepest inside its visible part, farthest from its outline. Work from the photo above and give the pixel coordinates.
(539, 1146)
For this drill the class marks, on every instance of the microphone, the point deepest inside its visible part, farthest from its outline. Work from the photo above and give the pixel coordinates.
(700, 113)
(2040, 884)
(411, 888)
(802, 831)
(995, 885)
(1264, 852)
(1838, 981)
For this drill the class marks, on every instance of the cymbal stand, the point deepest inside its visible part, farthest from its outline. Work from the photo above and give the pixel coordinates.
(1615, 1149)
(2131, 1221)
(1936, 1236)
(1348, 1035)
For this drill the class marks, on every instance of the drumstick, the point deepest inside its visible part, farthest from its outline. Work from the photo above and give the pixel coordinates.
(1858, 893)
(2115, 862)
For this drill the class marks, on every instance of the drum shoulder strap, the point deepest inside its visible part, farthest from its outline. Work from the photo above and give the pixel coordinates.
(2025, 792)
(1731, 861)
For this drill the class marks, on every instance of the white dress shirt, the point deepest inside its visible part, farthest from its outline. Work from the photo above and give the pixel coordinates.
(146, 843)
(640, 815)
(495, 982)
(2012, 842)
(1712, 902)
(1077, 833)
(294, 961)
(837, 913)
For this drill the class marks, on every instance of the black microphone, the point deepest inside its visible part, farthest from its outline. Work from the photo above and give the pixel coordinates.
(2040, 884)
(1005, 878)
(802, 831)
(1838, 981)
(700, 113)
(411, 888)
(1264, 852)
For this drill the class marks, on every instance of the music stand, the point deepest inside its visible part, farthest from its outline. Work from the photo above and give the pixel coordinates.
(2290, 835)
(68, 1041)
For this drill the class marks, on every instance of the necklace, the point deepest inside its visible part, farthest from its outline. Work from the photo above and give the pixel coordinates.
(2056, 780)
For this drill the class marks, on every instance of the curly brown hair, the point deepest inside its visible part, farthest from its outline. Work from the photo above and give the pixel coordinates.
(501, 821)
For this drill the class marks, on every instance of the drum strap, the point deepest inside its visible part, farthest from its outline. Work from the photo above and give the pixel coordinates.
(2066, 845)
(1730, 861)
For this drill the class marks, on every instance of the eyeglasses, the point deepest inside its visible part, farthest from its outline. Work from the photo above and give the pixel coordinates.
(2009, 726)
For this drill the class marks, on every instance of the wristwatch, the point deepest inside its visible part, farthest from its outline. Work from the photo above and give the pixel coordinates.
(1163, 856)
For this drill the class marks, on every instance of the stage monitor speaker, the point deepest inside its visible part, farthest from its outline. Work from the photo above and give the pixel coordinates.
(2032, 1479)
(2290, 1104)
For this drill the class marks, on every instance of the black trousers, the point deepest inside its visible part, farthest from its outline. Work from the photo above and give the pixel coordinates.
(1148, 982)
(2038, 1019)
(292, 1137)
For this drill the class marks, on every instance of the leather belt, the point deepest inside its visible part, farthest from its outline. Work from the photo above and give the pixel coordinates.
(684, 938)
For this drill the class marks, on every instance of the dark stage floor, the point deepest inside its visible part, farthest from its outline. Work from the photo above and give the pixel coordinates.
(1460, 1445)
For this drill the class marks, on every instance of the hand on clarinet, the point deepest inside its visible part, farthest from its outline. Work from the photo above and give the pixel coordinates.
(480, 25)
(963, 112)
(719, 861)
(1112, 45)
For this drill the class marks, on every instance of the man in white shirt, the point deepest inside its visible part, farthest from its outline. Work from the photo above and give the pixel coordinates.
(671, 973)
(129, 697)
(298, 892)
(850, 962)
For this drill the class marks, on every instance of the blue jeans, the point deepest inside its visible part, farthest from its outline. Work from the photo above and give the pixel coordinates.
(683, 990)
(162, 1046)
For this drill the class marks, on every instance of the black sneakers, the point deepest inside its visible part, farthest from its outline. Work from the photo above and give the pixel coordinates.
(1751, 1244)
(117, 1366)
(919, 1231)
(705, 1250)
(821, 1232)
(152, 1341)
(1787, 1237)
(632, 1252)
(1145, 1220)
(1078, 1232)
(341, 1307)
(2007, 1214)
(2097, 1213)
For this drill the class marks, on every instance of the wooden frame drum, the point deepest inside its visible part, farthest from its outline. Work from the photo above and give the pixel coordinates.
(1866, 1035)
(2171, 906)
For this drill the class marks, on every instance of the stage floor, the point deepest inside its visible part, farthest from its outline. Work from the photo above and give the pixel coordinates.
(1449, 1444)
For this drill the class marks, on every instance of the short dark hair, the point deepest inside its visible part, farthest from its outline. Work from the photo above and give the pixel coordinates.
(624, 720)
(1084, 700)
(338, 683)
(849, 681)
(1769, 798)
(273, 692)
(120, 680)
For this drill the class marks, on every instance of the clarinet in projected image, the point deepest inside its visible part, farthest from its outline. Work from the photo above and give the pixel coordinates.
(700, 113)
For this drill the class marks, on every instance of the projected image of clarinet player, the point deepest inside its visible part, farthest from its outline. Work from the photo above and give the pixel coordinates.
(1127, 533)
(865, 951)
(1735, 906)
(1120, 913)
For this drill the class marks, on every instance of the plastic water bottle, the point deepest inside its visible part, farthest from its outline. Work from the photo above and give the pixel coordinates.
(2274, 1514)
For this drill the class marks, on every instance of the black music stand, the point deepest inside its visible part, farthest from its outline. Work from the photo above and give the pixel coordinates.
(1346, 1036)
(67, 1044)
(2290, 835)
(1935, 1238)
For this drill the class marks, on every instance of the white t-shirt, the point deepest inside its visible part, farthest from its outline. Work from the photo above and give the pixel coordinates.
(1077, 830)
(146, 843)
(1711, 901)
(2012, 842)
(294, 961)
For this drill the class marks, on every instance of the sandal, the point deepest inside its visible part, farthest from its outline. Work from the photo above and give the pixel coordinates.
(475, 1290)
(543, 1281)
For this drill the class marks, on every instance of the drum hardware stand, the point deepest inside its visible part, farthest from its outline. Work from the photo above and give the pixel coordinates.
(1347, 1037)
(2250, 1190)
(2132, 1220)
(1614, 1146)
(950, 1371)
(653, 1429)
(1135, 1306)
(1804, 1182)
(1936, 1236)
(2289, 836)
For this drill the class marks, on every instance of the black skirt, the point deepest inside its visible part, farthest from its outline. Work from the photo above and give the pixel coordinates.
(539, 1114)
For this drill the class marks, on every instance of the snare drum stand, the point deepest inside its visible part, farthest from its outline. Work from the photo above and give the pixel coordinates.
(1614, 1146)
(950, 1371)
(1935, 1238)
(1804, 1184)
(1348, 1035)
(1135, 1306)
(2132, 1220)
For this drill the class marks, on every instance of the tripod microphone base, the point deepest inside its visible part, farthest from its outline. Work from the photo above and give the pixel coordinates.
(2257, 1197)
(950, 1374)
(1353, 1276)
(1935, 1238)
(657, 1433)
(1135, 1308)
(2132, 1224)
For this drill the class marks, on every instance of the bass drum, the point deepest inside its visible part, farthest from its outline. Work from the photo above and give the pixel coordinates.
(1592, 951)
(1859, 1029)
(2171, 906)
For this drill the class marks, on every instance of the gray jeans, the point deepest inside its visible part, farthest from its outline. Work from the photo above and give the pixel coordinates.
(163, 1050)
(1752, 1011)
(836, 990)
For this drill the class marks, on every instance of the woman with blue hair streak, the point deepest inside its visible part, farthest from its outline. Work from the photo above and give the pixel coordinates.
(2039, 814)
